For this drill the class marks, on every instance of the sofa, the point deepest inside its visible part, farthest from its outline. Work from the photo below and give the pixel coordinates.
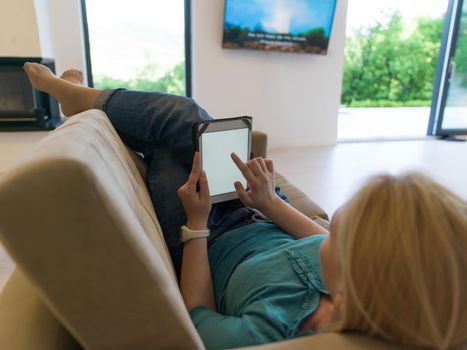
(92, 270)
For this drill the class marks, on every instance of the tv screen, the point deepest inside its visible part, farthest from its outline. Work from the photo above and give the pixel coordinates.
(284, 25)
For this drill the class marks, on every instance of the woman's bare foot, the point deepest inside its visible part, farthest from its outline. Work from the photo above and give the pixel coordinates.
(72, 96)
(73, 76)
(40, 76)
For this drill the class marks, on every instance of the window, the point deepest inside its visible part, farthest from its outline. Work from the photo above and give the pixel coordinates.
(391, 54)
(138, 44)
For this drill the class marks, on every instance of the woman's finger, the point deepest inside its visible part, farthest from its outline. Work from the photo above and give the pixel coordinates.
(269, 165)
(249, 176)
(195, 171)
(242, 194)
(262, 164)
(203, 186)
(255, 167)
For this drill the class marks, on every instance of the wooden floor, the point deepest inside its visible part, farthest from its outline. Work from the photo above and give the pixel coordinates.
(329, 175)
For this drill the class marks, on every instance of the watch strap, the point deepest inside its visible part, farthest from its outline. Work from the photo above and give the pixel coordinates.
(187, 234)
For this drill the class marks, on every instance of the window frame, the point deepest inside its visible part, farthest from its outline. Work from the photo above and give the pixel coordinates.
(443, 72)
(87, 47)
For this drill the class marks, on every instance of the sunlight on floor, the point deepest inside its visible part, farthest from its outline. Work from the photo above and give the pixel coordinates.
(382, 123)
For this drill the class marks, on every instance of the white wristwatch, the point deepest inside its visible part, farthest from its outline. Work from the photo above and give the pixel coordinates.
(187, 234)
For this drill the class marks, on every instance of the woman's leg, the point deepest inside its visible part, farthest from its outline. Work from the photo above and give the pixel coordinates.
(154, 119)
(166, 174)
(143, 119)
(72, 96)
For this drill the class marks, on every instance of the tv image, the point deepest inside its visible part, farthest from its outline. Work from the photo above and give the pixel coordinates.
(302, 26)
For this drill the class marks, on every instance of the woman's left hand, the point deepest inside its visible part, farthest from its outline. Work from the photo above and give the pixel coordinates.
(197, 204)
(259, 174)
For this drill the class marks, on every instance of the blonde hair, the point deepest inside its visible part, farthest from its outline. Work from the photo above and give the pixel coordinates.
(402, 257)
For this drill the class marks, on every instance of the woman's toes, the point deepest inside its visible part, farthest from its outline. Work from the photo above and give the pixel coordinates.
(31, 70)
(39, 76)
(38, 69)
(73, 76)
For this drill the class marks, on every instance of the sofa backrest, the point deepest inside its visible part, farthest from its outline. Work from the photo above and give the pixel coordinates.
(77, 219)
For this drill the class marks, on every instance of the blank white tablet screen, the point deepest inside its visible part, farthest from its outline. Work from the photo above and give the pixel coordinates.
(220, 169)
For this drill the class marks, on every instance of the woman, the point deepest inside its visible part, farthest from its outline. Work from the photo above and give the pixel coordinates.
(394, 265)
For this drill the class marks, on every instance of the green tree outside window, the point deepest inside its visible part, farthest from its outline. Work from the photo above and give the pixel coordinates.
(146, 79)
(388, 65)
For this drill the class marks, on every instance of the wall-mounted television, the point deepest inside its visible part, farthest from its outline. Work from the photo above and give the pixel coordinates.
(285, 25)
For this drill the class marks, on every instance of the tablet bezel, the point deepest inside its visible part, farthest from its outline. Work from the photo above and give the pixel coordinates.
(217, 125)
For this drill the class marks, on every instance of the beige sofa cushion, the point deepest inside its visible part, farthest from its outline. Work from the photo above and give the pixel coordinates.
(26, 323)
(77, 219)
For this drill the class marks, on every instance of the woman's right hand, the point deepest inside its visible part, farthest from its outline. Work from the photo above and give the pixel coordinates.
(259, 173)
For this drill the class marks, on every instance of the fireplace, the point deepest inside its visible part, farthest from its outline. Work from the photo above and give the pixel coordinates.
(21, 106)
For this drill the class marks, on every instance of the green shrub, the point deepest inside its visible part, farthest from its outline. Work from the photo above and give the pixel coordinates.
(172, 82)
(388, 65)
(388, 103)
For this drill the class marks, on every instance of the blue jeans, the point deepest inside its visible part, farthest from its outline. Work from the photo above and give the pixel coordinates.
(159, 126)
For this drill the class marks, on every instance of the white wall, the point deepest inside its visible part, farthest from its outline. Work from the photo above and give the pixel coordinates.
(61, 33)
(18, 29)
(67, 34)
(293, 97)
(45, 28)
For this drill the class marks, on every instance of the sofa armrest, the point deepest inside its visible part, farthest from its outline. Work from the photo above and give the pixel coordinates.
(259, 144)
(25, 321)
(301, 202)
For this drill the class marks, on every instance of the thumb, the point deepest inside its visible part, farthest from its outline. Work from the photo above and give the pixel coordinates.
(203, 186)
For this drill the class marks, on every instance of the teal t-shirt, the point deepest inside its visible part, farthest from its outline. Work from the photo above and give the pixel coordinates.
(265, 284)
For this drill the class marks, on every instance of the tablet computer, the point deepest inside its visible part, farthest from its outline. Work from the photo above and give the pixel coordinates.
(216, 140)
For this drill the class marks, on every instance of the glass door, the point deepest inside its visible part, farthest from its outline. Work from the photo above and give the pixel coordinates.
(391, 54)
(449, 106)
